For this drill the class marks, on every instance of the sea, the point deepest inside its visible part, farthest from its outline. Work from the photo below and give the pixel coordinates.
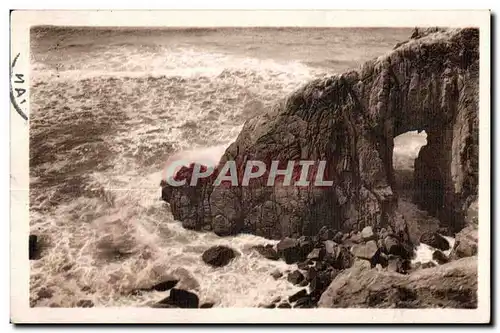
(109, 106)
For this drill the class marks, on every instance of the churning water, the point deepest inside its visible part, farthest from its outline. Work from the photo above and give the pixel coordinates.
(111, 106)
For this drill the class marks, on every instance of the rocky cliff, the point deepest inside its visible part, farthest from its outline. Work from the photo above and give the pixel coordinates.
(429, 82)
(453, 285)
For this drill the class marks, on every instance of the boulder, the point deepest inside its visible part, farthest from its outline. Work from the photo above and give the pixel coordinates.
(315, 254)
(440, 257)
(267, 252)
(186, 279)
(452, 285)
(218, 256)
(289, 249)
(393, 246)
(299, 294)
(306, 302)
(365, 251)
(181, 298)
(320, 282)
(435, 240)
(356, 238)
(207, 305)
(303, 265)
(295, 277)
(306, 245)
(367, 234)
(325, 233)
(339, 237)
(428, 264)
(284, 306)
(465, 243)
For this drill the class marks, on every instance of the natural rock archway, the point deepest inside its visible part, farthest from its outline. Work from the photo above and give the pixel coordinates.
(429, 82)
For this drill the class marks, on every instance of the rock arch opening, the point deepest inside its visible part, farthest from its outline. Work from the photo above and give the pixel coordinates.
(405, 151)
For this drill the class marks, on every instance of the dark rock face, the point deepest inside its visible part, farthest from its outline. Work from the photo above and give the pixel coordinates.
(181, 299)
(218, 256)
(435, 240)
(267, 252)
(295, 277)
(289, 249)
(207, 305)
(299, 294)
(284, 306)
(427, 83)
(452, 285)
(440, 257)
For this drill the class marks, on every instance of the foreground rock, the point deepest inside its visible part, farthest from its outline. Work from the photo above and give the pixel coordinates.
(181, 299)
(218, 256)
(466, 242)
(349, 121)
(453, 285)
(267, 252)
(435, 240)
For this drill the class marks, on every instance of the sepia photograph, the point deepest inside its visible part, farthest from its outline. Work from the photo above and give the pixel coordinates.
(311, 167)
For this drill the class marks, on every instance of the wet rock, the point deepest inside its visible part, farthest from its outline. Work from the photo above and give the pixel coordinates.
(267, 306)
(288, 249)
(367, 234)
(33, 247)
(428, 264)
(207, 305)
(320, 282)
(218, 256)
(393, 246)
(85, 303)
(305, 303)
(440, 257)
(344, 258)
(325, 233)
(330, 247)
(452, 285)
(395, 264)
(435, 240)
(182, 299)
(465, 243)
(284, 306)
(365, 251)
(267, 252)
(314, 254)
(304, 283)
(276, 274)
(356, 238)
(306, 245)
(221, 226)
(311, 273)
(303, 265)
(299, 294)
(338, 238)
(295, 277)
